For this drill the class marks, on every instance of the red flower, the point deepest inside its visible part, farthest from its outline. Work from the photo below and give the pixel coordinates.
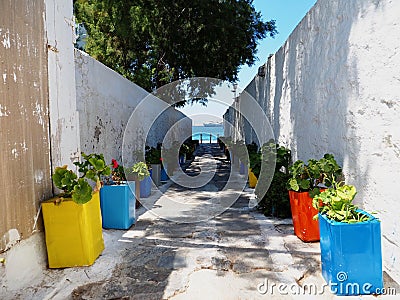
(115, 163)
(160, 158)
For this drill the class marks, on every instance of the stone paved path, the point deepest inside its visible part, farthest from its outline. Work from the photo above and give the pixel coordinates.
(235, 255)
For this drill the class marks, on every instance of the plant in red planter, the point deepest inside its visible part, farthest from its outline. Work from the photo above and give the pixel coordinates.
(351, 255)
(306, 181)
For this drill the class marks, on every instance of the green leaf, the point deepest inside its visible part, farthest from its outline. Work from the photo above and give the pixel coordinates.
(304, 184)
(314, 192)
(293, 184)
(82, 192)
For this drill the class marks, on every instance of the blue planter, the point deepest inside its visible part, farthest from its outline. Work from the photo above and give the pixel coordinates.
(242, 168)
(164, 176)
(145, 187)
(351, 256)
(117, 204)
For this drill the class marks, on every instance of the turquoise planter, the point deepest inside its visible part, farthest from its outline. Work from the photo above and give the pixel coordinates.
(351, 256)
(117, 204)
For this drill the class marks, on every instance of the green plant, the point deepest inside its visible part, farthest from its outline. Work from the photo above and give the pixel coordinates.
(184, 149)
(117, 174)
(336, 203)
(153, 155)
(309, 177)
(78, 188)
(254, 162)
(139, 170)
(275, 201)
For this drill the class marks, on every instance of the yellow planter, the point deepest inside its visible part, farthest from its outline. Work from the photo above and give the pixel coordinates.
(74, 234)
(252, 179)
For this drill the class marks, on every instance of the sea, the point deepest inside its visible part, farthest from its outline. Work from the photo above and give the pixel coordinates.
(206, 131)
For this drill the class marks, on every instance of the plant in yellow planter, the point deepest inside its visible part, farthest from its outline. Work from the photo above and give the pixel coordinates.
(72, 220)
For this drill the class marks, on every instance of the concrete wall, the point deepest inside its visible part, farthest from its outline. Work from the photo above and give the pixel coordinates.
(24, 125)
(334, 87)
(106, 102)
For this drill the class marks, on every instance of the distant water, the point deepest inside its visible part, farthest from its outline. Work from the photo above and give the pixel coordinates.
(206, 131)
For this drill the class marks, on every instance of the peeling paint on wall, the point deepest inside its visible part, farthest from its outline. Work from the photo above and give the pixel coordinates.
(6, 40)
(3, 111)
(24, 145)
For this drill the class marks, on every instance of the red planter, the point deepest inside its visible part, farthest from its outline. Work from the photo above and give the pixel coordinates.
(305, 227)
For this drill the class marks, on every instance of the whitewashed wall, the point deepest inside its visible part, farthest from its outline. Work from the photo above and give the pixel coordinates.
(106, 101)
(64, 128)
(334, 86)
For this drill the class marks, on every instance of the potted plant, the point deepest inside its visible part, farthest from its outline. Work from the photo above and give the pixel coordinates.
(138, 173)
(306, 181)
(117, 199)
(350, 241)
(153, 158)
(275, 201)
(72, 220)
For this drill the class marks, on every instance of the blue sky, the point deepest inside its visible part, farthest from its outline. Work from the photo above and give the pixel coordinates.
(287, 13)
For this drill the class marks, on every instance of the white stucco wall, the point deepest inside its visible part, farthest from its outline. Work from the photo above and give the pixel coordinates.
(64, 128)
(334, 87)
(106, 101)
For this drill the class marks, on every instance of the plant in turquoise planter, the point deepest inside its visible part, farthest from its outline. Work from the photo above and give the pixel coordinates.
(350, 240)
(117, 199)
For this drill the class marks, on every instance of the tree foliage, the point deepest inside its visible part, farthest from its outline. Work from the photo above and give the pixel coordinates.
(155, 42)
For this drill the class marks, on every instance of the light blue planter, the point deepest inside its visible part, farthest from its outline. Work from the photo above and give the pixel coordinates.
(117, 204)
(145, 187)
(351, 256)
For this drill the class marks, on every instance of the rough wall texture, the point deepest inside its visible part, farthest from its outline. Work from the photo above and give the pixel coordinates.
(24, 125)
(334, 87)
(106, 101)
(64, 128)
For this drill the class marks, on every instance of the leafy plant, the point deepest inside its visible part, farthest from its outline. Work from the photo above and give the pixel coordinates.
(139, 170)
(275, 201)
(314, 175)
(184, 149)
(254, 158)
(336, 203)
(153, 155)
(78, 188)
